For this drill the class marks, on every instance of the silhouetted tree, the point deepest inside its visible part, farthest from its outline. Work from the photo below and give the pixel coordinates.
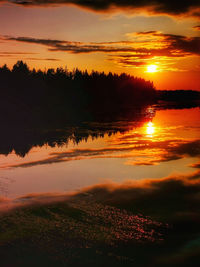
(62, 94)
(21, 68)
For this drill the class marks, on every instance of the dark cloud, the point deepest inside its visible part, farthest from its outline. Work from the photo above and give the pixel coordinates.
(190, 45)
(48, 42)
(175, 45)
(177, 42)
(141, 163)
(46, 59)
(72, 47)
(152, 6)
(128, 53)
(196, 28)
(130, 62)
(195, 165)
(191, 149)
(147, 33)
(14, 54)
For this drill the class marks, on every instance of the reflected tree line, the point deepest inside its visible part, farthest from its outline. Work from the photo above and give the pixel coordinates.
(52, 107)
(21, 140)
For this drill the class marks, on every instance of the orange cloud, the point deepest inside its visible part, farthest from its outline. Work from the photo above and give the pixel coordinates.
(164, 151)
(145, 47)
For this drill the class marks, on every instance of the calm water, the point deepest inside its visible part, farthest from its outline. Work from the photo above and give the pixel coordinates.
(165, 143)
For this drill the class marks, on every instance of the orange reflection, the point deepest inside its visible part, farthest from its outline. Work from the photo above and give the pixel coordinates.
(150, 129)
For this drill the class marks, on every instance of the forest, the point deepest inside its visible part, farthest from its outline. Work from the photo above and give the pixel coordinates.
(62, 94)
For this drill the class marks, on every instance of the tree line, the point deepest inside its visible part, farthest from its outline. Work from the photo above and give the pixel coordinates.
(62, 93)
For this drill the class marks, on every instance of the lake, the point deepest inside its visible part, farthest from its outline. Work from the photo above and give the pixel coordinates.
(160, 143)
(106, 191)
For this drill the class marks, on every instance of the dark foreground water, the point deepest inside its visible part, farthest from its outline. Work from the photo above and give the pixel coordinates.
(112, 193)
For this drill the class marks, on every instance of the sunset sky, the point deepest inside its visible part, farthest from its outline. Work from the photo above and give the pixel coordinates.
(157, 40)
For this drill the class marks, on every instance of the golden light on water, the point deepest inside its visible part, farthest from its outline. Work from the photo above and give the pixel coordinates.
(152, 68)
(150, 129)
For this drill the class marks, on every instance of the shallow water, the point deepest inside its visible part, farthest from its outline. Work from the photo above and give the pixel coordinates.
(165, 143)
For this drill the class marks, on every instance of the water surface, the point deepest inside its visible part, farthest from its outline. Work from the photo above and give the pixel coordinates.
(157, 144)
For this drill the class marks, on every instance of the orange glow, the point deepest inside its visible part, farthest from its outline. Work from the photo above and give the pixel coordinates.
(152, 68)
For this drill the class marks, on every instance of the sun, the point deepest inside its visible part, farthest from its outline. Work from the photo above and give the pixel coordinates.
(150, 129)
(152, 68)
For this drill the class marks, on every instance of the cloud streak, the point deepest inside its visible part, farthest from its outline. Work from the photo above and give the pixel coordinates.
(196, 28)
(174, 45)
(144, 47)
(73, 47)
(164, 151)
(173, 152)
(152, 6)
